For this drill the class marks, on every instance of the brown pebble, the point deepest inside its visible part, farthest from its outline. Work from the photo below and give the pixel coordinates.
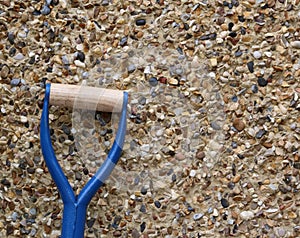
(200, 155)
(4, 71)
(41, 190)
(47, 229)
(238, 124)
(29, 161)
(179, 156)
(139, 34)
(236, 178)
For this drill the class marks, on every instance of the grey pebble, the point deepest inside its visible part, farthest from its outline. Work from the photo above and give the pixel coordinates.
(123, 41)
(157, 204)
(32, 232)
(254, 88)
(135, 233)
(142, 100)
(153, 81)
(143, 190)
(32, 211)
(131, 68)
(296, 165)
(37, 160)
(14, 216)
(45, 10)
(215, 126)
(65, 60)
(105, 2)
(143, 208)
(11, 37)
(85, 74)
(280, 232)
(250, 66)
(224, 202)
(19, 56)
(238, 53)
(262, 81)
(260, 133)
(78, 176)
(15, 82)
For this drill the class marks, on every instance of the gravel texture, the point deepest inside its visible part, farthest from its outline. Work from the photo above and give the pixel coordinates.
(212, 147)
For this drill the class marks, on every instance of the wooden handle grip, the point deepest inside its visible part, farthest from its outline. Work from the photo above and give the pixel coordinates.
(85, 97)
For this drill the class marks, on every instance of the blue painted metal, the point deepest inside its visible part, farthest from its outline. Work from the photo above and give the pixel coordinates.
(75, 207)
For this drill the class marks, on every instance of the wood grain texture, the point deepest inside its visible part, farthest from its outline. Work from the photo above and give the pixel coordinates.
(85, 97)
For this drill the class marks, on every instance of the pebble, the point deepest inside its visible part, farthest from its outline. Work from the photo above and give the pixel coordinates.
(280, 232)
(15, 82)
(238, 53)
(197, 216)
(295, 44)
(254, 88)
(45, 10)
(213, 62)
(224, 202)
(19, 56)
(90, 222)
(79, 63)
(143, 226)
(143, 208)
(143, 190)
(157, 204)
(200, 155)
(11, 37)
(78, 176)
(80, 56)
(238, 124)
(131, 68)
(33, 212)
(247, 215)
(260, 134)
(193, 173)
(153, 81)
(140, 22)
(135, 233)
(23, 119)
(5, 70)
(250, 66)
(257, 54)
(123, 41)
(262, 82)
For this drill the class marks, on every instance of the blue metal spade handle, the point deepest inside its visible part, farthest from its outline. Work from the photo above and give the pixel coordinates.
(74, 213)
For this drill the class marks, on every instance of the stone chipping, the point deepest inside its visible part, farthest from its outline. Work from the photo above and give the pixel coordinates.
(212, 144)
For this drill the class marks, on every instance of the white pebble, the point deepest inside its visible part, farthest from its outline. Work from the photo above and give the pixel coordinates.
(268, 54)
(198, 216)
(215, 213)
(212, 75)
(280, 232)
(271, 210)
(80, 64)
(23, 119)
(247, 215)
(256, 54)
(145, 147)
(192, 173)
(295, 44)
